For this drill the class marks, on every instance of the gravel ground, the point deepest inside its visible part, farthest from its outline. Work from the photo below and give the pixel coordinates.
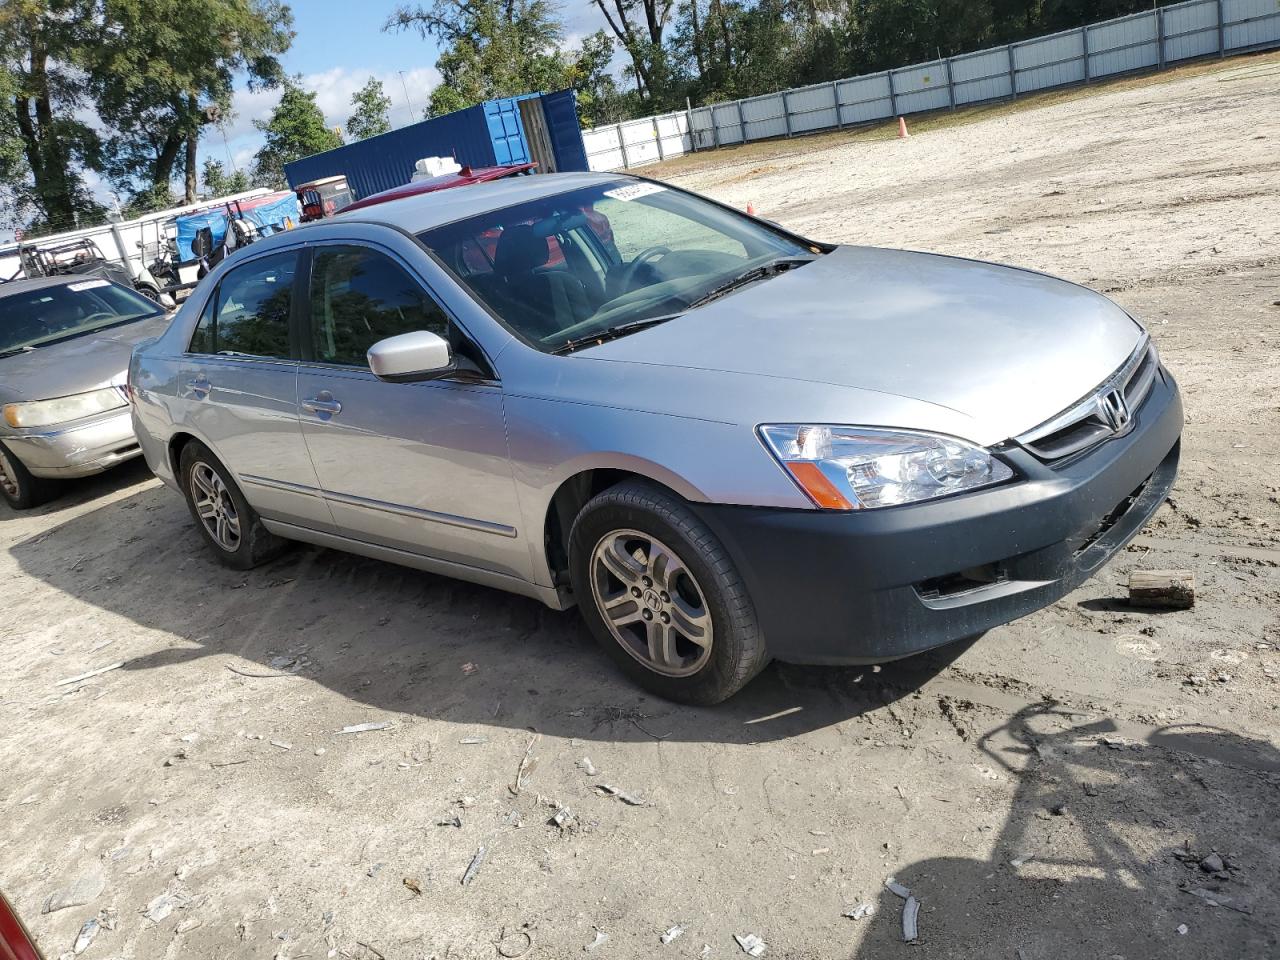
(1049, 791)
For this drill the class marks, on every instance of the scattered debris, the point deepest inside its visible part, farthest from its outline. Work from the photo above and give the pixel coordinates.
(255, 675)
(1019, 861)
(470, 668)
(514, 944)
(673, 933)
(374, 870)
(897, 889)
(161, 907)
(454, 821)
(1058, 810)
(281, 744)
(861, 911)
(600, 938)
(189, 924)
(83, 890)
(587, 766)
(91, 673)
(563, 818)
(612, 791)
(1089, 789)
(319, 751)
(910, 920)
(819, 851)
(413, 885)
(751, 945)
(472, 741)
(1183, 929)
(1167, 589)
(1212, 864)
(525, 769)
(364, 727)
(1215, 899)
(474, 866)
(87, 932)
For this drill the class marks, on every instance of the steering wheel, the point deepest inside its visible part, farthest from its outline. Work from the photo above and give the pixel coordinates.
(104, 314)
(645, 256)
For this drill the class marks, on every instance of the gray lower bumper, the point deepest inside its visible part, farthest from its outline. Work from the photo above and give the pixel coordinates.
(79, 450)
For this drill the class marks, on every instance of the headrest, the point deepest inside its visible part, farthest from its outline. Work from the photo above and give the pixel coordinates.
(520, 250)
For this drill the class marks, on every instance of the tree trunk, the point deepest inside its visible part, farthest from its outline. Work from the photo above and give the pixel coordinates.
(697, 38)
(193, 139)
(162, 169)
(46, 155)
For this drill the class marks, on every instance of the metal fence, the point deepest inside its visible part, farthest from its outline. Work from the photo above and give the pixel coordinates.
(1149, 40)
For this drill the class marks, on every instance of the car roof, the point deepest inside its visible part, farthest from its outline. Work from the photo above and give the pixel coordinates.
(426, 210)
(15, 287)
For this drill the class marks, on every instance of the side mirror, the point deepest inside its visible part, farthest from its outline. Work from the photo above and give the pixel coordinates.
(420, 355)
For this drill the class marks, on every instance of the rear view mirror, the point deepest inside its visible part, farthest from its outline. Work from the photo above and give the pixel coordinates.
(420, 355)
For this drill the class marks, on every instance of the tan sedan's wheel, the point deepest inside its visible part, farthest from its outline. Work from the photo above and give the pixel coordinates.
(19, 488)
(226, 521)
(662, 596)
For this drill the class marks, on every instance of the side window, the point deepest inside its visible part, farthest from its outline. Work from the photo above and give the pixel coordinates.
(360, 296)
(249, 312)
(202, 338)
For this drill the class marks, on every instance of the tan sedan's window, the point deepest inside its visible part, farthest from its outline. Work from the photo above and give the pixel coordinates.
(250, 313)
(360, 296)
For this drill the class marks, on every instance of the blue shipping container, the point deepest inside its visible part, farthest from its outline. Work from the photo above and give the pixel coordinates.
(488, 134)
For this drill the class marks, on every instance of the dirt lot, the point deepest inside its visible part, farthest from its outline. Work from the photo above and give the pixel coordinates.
(1047, 794)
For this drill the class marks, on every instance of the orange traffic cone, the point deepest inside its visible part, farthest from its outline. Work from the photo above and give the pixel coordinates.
(751, 209)
(902, 128)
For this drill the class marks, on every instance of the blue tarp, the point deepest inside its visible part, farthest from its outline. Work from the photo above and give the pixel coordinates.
(270, 216)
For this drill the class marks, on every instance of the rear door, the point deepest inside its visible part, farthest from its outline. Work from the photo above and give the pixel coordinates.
(421, 467)
(239, 387)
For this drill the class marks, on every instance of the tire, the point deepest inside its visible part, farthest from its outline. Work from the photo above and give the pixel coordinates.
(20, 489)
(616, 550)
(232, 529)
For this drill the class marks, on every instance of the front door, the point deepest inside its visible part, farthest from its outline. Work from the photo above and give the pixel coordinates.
(422, 466)
(239, 383)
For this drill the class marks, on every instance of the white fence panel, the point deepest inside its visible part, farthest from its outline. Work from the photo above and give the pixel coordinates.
(865, 98)
(923, 87)
(765, 117)
(1190, 30)
(1119, 46)
(1140, 41)
(981, 76)
(812, 108)
(1052, 61)
(1251, 23)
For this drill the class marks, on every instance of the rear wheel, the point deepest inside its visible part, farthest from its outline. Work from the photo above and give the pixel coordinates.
(662, 597)
(20, 489)
(226, 521)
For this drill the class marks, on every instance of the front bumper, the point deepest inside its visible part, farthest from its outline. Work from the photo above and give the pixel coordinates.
(77, 450)
(847, 588)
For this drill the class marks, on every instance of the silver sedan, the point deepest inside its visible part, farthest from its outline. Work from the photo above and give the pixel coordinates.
(65, 344)
(724, 442)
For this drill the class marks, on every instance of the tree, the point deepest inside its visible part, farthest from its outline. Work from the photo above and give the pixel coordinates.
(370, 118)
(218, 183)
(492, 48)
(164, 69)
(296, 129)
(640, 27)
(599, 100)
(43, 48)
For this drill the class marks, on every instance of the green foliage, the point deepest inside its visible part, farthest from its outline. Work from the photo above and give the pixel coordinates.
(492, 48)
(218, 183)
(599, 99)
(371, 114)
(296, 129)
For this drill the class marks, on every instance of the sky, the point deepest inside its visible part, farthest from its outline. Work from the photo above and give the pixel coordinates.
(338, 46)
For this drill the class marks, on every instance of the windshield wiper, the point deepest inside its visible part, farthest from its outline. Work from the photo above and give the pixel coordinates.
(611, 333)
(772, 268)
(13, 351)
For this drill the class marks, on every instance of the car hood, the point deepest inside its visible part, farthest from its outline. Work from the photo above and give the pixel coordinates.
(1004, 348)
(76, 365)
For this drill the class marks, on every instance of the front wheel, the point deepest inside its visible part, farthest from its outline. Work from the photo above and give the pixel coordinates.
(20, 489)
(661, 595)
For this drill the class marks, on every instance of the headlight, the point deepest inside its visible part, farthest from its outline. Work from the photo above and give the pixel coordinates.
(854, 468)
(43, 413)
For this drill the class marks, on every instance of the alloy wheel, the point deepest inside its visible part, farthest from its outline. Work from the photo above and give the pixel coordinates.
(8, 482)
(651, 602)
(214, 506)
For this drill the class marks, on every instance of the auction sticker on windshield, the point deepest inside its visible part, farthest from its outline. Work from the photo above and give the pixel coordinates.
(635, 191)
(88, 285)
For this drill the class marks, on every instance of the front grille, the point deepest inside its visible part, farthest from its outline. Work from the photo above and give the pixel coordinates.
(1106, 412)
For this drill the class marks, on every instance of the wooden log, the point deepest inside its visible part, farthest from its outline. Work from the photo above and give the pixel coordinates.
(1167, 589)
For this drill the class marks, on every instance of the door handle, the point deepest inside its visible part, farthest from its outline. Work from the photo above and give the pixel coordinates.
(322, 405)
(200, 386)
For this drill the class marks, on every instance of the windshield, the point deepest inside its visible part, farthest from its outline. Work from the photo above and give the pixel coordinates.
(33, 318)
(593, 260)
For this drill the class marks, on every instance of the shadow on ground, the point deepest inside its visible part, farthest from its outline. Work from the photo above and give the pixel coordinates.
(400, 639)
